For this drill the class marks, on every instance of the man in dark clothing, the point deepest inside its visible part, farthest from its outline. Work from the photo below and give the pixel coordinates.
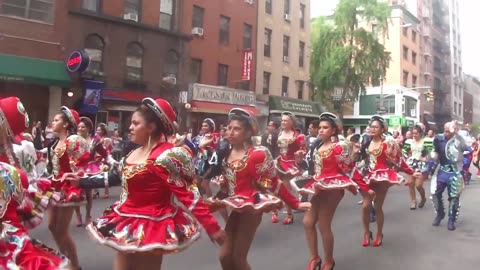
(270, 139)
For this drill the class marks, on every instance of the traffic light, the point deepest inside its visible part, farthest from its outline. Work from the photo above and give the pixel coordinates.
(430, 96)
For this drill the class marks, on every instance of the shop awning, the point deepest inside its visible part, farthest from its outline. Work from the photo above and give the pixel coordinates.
(33, 70)
(218, 108)
(296, 106)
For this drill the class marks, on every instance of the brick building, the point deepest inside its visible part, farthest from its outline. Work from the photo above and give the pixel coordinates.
(224, 32)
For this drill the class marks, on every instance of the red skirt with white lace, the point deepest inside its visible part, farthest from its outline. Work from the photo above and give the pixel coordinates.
(389, 176)
(334, 182)
(258, 202)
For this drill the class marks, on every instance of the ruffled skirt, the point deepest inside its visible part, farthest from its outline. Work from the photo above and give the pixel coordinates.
(385, 175)
(258, 202)
(336, 182)
(19, 251)
(70, 195)
(287, 167)
(140, 234)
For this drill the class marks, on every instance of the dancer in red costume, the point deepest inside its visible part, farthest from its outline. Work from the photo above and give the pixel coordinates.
(146, 223)
(67, 156)
(332, 161)
(107, 144)
(292, 146)
(383, 157)
(251, 187)
(21, 204)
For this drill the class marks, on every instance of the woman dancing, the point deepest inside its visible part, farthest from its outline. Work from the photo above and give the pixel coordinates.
(146, 223)
(21, 205)
(66, 156)
(292, 146)
(417, 159)
(332, 162)
(107, 144)
(251, 187)
(383, 159)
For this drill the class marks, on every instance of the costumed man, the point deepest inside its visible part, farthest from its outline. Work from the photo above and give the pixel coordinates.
(206, 153)
(448, 153)
(467, 154)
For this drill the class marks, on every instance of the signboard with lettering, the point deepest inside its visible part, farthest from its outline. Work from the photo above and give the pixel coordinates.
(301, 107)
(218, 94)
(247, 65)
(78, 61)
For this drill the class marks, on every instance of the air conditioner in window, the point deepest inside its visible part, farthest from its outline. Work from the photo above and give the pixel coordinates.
(284, 94)
(285, 59)
(197, 31)
(287, 17)
(131, 17)
(171, 79)
(249, 2)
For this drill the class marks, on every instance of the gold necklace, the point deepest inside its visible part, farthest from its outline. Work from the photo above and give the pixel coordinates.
(326, 153)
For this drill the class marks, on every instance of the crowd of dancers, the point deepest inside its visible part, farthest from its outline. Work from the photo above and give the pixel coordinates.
(166, 191)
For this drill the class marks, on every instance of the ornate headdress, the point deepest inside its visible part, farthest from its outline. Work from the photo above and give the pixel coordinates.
(164, 111)
(14, 116)
(248, 115)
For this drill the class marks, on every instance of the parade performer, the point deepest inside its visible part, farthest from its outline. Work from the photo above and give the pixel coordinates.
(292, 147)
(68, 155)
(417, 157)
(107, 144)
(98, 166)
(332, 162)
(146, 223)
(467, 155)
(251, 187)
(448, 152)
(206, 153)
(21, 204)
(383, 159)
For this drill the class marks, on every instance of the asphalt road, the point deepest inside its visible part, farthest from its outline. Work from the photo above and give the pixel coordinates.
(410, 241)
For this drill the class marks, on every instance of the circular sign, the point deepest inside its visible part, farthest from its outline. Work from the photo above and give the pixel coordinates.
(78, 61)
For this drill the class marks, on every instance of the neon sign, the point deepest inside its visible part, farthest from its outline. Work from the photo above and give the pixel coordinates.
(78, 62)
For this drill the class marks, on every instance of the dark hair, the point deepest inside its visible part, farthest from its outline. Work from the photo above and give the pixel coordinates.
(103, 127)
(151, 118)
(71, 126)
(418, 129)
(352, 129)
(315, 123)
(275, 123)
(331, 122)
(244, 121)
(88, 123)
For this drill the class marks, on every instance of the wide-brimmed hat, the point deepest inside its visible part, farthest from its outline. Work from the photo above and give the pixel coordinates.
(164, 111)
(72, 116)
(247, 114)
(14, 116)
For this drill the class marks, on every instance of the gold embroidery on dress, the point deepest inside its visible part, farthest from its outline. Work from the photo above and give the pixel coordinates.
(130, 171)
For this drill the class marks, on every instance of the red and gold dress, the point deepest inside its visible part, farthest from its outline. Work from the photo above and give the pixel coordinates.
(147, 219)
(384, 162)
(332, 170)
(98, 158)
(288, 147)
(71, 158)
(18, 206)
(251, 184)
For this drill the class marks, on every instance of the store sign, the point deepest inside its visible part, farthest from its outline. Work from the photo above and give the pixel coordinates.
(395, 121)
(78, 61)
(247, 64)
(219, 94)
(279, 104)
(92, 93)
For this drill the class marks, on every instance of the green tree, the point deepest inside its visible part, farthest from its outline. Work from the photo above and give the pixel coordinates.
(346, 51)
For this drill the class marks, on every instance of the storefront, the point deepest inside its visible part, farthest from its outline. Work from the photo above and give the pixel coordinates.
(394, 123)
(39, 83)
(305, 111)
(215, 102)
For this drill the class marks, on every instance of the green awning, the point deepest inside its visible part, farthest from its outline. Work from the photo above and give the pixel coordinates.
(296, 106)
(33, 70)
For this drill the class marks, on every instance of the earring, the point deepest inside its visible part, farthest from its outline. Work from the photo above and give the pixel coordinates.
(149, 141)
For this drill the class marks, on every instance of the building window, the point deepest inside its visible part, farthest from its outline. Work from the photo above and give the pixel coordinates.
(405, 31)
(286, 7)
(133, 7)
(134, 62)
(414, 81)
(92, 5)
(286, 45)
(414, 58)
(247, 36)
(267, 47)
(30, 9)
(266, 83)
(455, 107)
(414, 36)
(268, 7)
(460, 109)
(405, 78)
(301, 55)
(171, 63)
(94, 47)
(405, 53)
(224, 30)
(301, 85)
(222, 75)
(196, 71)
(197, 16)
(302, 16)
(284, 86)
(167, 14)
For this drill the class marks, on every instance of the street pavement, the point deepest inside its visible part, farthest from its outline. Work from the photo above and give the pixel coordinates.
(410, 242)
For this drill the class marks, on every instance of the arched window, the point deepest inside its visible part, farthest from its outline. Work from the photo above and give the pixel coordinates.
(134, 61)
(171, 63)
(94, 47)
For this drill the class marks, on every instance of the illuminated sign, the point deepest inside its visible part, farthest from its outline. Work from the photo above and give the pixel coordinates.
(78, 61)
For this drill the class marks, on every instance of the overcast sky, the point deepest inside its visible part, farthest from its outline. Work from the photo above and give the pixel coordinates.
(469, 14)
